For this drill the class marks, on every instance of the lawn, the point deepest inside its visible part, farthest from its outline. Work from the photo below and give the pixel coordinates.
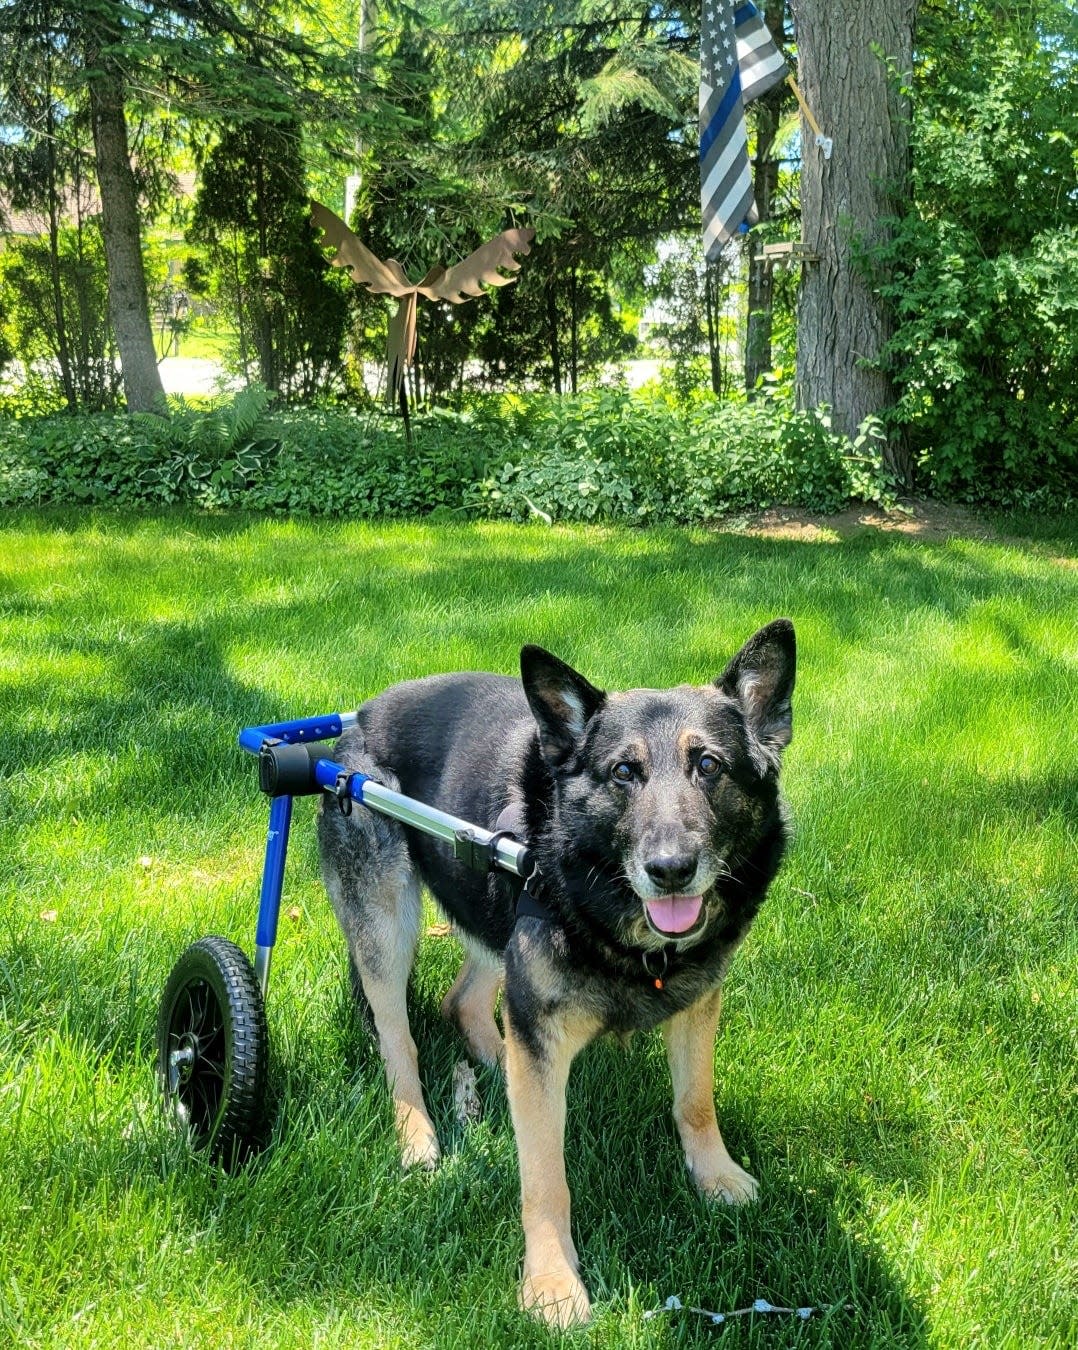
(898, 1056)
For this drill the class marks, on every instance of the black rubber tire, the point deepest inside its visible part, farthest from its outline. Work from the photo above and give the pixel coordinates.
(212, 1050)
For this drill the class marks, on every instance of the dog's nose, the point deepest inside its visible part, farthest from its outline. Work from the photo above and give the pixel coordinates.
(672, 871)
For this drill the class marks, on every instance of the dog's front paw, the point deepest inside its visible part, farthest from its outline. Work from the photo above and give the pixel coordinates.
(727, 1184)
(418, 1142)
(558, 1298)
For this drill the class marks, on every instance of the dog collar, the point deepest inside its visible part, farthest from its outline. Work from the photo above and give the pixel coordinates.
(661, 961)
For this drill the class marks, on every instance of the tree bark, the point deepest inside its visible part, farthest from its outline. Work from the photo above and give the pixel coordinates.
(711, 306)
(574, 344)
(63, 352)
(129, 306)
(843, 57)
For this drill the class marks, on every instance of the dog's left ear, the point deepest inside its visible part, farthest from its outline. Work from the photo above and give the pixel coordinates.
(761, 678)
(562, 702)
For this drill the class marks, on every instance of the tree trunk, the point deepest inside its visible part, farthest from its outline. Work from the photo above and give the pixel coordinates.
(129, 306)
(843, 59)
(574, 345)
(552, 328)
(63, 351)
(765, 177)
(711, 305)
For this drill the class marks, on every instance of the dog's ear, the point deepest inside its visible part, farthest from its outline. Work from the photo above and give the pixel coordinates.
(562, 702)
(761, 678)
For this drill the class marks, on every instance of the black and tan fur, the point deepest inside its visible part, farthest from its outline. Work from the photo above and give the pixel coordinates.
(638, 804)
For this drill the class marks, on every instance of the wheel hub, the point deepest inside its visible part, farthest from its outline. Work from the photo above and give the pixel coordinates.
(181, 1061)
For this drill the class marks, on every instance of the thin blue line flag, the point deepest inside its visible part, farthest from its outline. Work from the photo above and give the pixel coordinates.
(738, 62)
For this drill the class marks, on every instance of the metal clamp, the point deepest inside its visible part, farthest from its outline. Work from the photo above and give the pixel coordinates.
(340, 791)
(481, 855)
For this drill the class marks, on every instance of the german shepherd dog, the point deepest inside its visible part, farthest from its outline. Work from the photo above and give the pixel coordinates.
(657, 824)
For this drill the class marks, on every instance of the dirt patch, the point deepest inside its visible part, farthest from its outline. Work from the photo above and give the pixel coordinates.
(920, 519)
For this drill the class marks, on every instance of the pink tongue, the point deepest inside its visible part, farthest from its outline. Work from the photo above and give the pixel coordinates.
(675, 913)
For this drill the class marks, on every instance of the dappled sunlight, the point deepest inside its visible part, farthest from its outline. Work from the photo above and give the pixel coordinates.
(898, 1027)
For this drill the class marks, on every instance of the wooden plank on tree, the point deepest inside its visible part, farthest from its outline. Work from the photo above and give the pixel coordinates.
(789, 251)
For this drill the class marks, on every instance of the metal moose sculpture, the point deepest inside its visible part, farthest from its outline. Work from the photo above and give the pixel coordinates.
(461, 282)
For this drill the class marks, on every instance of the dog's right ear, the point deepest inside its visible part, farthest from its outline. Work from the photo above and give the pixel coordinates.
(562, 702)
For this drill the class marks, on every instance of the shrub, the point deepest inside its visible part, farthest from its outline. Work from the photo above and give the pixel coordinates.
(604, 456)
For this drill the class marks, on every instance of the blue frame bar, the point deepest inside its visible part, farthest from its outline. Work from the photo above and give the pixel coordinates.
(507, 853)
(269, 905)
(324, 728)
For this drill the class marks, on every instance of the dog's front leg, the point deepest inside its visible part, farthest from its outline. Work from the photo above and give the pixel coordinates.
(537, 1071)
(690, 1048)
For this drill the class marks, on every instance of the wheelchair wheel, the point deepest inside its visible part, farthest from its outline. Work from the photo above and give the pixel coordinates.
(212, 1050)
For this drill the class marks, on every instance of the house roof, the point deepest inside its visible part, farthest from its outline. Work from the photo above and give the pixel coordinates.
(85, 202)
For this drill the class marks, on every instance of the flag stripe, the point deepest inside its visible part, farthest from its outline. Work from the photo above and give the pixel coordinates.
(738, 61)
(716, 121)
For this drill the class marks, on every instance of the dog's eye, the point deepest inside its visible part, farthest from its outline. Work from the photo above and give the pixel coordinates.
(708, 766)
(622, 772)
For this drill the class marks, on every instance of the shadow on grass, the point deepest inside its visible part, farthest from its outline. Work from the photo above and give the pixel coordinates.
(446, 1248)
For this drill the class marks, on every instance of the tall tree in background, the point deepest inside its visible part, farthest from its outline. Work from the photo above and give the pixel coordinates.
(208, 63)
(77, 49)
(129, 306)
(853, 67)
(574, 112)
(252, 213)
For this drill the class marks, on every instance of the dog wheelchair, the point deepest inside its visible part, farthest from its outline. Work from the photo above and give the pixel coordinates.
(212, 1040)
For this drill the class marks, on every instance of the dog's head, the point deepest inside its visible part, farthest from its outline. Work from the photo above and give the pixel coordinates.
(666, 791)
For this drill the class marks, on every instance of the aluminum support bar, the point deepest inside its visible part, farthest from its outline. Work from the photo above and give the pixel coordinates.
(509, 855)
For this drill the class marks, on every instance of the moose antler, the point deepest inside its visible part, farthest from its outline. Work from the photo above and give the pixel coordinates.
(457, 284)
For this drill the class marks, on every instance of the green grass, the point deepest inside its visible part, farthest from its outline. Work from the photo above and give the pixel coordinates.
(897, 1060)
(211, 343)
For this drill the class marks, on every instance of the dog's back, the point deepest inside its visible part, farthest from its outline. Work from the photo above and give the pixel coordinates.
(450, 739)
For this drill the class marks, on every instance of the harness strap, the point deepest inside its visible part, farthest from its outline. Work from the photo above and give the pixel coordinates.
(530, 907)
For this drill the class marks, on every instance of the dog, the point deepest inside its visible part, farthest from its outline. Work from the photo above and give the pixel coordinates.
(657, 824)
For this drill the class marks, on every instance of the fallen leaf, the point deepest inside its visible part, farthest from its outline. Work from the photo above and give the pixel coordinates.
(466, 1104)
(295, 912)
(49, 915)
(440, 930)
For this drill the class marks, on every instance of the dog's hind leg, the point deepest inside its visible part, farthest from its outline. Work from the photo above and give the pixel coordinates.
(690, 1048)
(383, 967)
(375, 895)
(470, 1003)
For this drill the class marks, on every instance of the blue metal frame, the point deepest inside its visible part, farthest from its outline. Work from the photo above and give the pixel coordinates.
(252, 739)
(501, 851)
(269, 904)
(324, 728)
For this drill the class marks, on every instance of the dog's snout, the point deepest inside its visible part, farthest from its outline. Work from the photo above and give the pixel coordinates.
(672, 871)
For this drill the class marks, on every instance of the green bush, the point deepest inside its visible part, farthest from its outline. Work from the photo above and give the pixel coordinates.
(605, 456)
(982, 272)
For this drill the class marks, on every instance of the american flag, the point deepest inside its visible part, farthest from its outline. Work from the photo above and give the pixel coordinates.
(738, 62)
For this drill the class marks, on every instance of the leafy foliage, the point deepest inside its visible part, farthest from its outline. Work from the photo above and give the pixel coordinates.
(983, 274)
(56, 317)
(289, 307)
(605, 456)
